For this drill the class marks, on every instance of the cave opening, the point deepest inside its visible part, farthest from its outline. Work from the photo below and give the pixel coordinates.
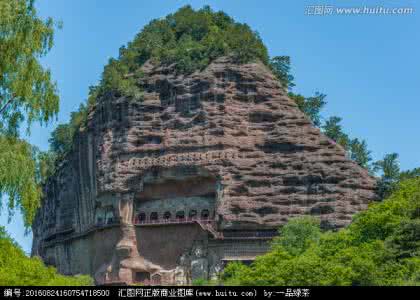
(175, 196)
(142, 277)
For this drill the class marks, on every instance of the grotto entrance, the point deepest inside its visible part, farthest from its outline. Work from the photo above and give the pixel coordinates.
(171, 197)
(168, 213)
(142, 277)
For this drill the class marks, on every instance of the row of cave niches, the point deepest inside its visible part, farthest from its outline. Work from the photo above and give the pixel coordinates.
(205, 215)
(179, 216)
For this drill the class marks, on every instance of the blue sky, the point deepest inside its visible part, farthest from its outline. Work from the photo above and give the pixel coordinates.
(367, 65)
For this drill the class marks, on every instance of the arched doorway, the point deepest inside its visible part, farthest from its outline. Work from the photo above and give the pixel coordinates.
(205, 214)
(141, 217)
(109, 216)
(167, 215)
(192, 214)
(142, 277)
(180, 215)
(154, 216)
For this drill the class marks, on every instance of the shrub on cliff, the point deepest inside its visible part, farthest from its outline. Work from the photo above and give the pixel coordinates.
(380, 247)
(190, 39)
(18, 269)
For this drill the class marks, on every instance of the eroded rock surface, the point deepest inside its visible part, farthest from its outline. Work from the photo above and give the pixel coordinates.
(202, 171)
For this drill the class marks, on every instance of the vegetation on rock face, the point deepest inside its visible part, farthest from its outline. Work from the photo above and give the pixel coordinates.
(280, 66)
(380, 247)
(27, 94)
(357, 149)
(192, 39)
(188, 39)
(312, 107)
(18, 269)
(390, 176)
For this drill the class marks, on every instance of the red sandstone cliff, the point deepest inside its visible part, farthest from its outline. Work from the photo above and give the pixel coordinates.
(226, 140)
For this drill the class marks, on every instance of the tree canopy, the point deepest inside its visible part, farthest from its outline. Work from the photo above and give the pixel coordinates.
(390, 174)
(312, 107)
(280, 66)
(18, 269)
(27, 94)
(26, 89)
(188, 39)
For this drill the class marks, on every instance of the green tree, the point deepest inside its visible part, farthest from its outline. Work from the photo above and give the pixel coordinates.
(360, 153)
(26, 89)
(389, 169)
(298, 235)
(46, 165)
(18, 269)
(280, 65)
(333, 129)
(18, 177)
(357, 149)
(405, 241)
(188, 39)
(410, 174)
(61, 140)
(311, 106)
(27, 93)
(380, 247)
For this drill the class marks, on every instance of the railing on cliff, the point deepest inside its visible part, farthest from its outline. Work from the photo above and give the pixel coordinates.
(209, 224)
(259, 234)
(188, 220)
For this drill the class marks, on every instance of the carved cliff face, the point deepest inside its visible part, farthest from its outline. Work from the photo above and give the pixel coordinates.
(233, 123)
(224, 144)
